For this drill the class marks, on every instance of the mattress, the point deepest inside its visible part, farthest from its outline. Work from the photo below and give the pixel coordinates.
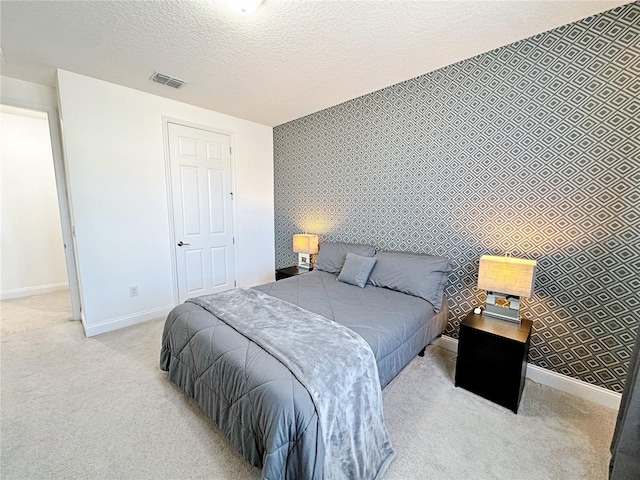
(396, 325)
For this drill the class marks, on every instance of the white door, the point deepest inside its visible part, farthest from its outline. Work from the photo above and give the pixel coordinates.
(202, 212)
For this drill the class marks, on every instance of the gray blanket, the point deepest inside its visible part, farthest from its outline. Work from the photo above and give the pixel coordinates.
(262, 409)
(395, 325)
(348, 401)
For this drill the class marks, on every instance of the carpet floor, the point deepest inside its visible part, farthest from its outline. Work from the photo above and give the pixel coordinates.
(100, 408)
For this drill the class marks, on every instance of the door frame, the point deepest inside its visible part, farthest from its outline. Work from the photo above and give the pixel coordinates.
(64, 198)
(166, 120)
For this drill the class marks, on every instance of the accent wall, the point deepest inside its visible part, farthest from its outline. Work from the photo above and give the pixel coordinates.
(531, 149)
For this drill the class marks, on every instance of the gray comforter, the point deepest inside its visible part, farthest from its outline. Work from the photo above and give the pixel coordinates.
(265, 412)
(396, 326)
(348, 401)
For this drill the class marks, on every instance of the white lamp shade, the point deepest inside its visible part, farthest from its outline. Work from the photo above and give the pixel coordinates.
(305, 243)
(513, 276)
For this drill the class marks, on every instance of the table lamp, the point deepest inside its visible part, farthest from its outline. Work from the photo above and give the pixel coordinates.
(506, 279)
(305, 245)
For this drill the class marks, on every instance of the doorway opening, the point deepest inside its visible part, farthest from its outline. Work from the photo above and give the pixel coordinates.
(33, 260)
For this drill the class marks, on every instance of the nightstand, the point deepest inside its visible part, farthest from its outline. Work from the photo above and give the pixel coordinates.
(492, 358)
(290, 272)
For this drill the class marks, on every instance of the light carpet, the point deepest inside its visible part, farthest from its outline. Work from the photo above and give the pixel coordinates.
(100, 408)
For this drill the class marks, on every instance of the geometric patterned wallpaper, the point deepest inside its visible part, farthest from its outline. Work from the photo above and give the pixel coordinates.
(532, 149)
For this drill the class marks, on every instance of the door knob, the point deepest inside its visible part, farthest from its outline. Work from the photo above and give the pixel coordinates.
(181, 243)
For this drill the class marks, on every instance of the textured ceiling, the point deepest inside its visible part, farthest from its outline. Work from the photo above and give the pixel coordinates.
(286, 60)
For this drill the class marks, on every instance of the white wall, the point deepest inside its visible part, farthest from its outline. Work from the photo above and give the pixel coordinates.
(28, 94)
(31, 253)
(114, 150)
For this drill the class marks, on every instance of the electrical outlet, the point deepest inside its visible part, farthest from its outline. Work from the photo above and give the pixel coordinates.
(133, 291)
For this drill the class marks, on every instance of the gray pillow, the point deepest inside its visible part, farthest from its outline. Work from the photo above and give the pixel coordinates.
(332, 255)
(419, 275)
(356, 269)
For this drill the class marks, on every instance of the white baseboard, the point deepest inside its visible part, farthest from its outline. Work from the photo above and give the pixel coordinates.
(30, 291)
(125, 321)
(593, 393)
(447, 343)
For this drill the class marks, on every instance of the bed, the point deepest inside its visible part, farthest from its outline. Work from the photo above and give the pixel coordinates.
(237, 368)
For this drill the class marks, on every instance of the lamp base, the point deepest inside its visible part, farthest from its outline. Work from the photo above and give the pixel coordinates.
(304, 260)
(503, 306)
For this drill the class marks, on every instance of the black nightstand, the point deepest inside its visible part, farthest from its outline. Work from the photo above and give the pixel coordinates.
(290, 272)
(492, 358)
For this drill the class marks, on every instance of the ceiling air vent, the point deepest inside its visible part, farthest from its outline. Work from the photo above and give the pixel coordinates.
(166, 80)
